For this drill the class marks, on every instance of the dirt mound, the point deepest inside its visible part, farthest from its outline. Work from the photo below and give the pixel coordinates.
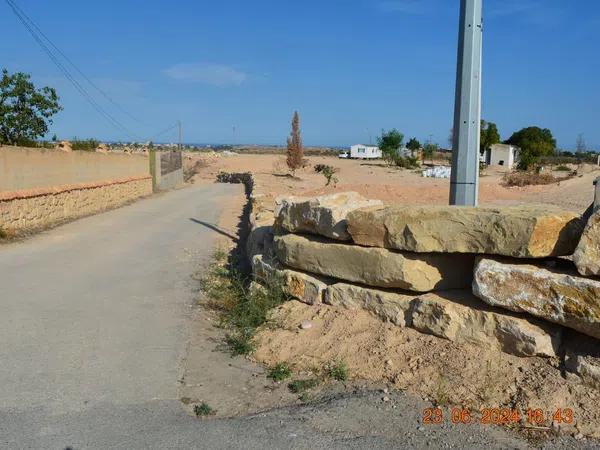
(436, 369)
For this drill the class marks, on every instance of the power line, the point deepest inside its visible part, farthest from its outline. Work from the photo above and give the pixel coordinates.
(26, 22)
(60, 52)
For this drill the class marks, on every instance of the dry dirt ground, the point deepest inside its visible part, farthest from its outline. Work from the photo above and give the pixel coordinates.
(393, 358)
(374, 179)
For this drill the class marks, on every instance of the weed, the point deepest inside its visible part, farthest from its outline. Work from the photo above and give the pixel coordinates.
(203, 410)
(521, 178)
(304, 397)
(242, 310)
(7, 233)
(240, 343)
(442, 398)
(299, 386)
(89, 145)
(562, 168)
(280, 372)
(338, 371)
(328, 172)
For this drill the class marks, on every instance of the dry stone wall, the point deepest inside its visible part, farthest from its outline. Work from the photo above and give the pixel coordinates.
(483, 276)
(38, 209)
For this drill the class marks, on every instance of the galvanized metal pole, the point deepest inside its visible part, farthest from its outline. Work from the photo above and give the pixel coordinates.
(464, 181)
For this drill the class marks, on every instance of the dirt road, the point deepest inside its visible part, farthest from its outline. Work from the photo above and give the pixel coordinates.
(93, 331)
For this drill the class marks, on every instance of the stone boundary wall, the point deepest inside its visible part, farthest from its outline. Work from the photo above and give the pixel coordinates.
(40, 188)
(23, 168)
(27, 211)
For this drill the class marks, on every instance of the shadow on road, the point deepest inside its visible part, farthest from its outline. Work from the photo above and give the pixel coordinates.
(219, 230)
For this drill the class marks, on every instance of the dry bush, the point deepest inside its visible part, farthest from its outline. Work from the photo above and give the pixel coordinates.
(189, 170)
(528, 179)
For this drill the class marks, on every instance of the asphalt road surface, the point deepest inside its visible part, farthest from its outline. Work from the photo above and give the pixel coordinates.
(93, 319)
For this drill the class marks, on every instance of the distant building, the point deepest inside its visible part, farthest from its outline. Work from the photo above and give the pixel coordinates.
(501, 155)
(360, 151)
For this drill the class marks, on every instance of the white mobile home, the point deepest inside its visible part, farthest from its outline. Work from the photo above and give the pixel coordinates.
(501, 155)
(360, 151)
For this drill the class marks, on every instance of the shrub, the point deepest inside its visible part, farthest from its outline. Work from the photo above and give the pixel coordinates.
(562, 168)
(280, 372)
(528, 179)
(406, 162)
(338, 371)
(89, 145)
(299, 386)
(328, 172)
(203, 410)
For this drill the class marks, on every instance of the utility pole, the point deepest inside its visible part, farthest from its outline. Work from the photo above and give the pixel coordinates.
(464, 181)
(180, 134)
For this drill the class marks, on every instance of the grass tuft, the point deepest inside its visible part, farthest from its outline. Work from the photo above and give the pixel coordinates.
(203, 410)
(242, 310)
(299, 386)
(280, 372)
(338, 371)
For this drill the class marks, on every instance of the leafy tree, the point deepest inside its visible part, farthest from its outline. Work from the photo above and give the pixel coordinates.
(25, 112)
(429, 149)
(295, 150)
(489, 135)
(389, 143)
(413, 145)
(533, 142)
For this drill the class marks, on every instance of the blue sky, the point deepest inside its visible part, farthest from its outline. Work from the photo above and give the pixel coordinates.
(349, 67)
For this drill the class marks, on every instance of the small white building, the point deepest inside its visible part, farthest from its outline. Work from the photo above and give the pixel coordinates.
(501, 155)
(360, 151)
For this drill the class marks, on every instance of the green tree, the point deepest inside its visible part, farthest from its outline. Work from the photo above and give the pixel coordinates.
(489, 135)
(533, 142)
(295, 151)
(390, 143)
(429, 150)
(413, 145)
(25, 111)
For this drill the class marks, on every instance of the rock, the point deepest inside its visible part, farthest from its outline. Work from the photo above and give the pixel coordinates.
(102, 148)
(460, 317)
(454, 315)
(260, 241)
(306, 325)
(306, 288)
(325, 215)
(65, 146)
(582, 356)
(587, 253)
(375, 266)
(555, 295)
(520, 231)
(388, 306)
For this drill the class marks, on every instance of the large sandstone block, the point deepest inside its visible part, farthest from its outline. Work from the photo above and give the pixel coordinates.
(587, 254)
(388, 306)
(375, 266)
(460, 317)
(325, 215)
(558, 296)
(520, 231)
(301, 286)
(454, 315)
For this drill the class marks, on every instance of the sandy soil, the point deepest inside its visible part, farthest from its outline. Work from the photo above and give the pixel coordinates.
(434, 369)
(375, 180)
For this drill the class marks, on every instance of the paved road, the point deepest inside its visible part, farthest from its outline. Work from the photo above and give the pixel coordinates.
(93, 324)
